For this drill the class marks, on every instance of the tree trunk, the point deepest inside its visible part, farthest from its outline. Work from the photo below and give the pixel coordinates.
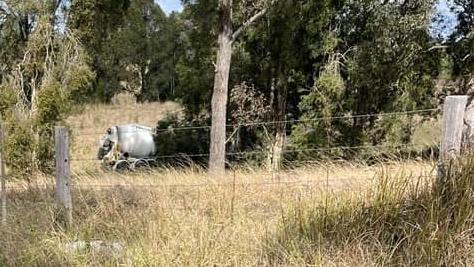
(277, 143)
(220, 93)
(277, 148)
(142, 93)
(468, 130)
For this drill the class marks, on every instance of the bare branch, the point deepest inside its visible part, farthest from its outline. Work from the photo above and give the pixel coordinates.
(437, 47)
(462, 38)
(232, 135)
(248, 23)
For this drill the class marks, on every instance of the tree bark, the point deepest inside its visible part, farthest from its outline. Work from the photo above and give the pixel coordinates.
(275, 157)
(220, 92)
(221, 83)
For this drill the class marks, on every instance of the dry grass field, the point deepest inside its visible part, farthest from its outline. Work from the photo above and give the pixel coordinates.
(169, 217)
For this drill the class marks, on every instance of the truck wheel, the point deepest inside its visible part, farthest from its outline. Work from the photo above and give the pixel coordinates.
(121, 165)
(141, 164)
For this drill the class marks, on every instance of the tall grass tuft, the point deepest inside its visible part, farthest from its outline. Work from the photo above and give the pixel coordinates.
(399, 223)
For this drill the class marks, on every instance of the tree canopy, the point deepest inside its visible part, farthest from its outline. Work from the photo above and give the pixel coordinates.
(302, 60)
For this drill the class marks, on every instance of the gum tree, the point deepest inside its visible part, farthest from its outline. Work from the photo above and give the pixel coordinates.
(248, 12)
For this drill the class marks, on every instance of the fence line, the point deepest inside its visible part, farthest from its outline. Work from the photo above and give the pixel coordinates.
(259, 123)
(342, 117)
(323, 182)
(247, 153)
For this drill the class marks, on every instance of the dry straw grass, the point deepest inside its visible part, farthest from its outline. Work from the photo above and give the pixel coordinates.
(400, 223)
(171, 217)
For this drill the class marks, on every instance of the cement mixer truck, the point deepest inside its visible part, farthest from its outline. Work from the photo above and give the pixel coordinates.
(128, 147)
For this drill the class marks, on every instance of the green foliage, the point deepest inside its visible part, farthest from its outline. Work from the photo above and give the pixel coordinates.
(94, 22)
(317, 129)
(461, 48)
(19, 147)
(307, 59)
(7, 100)
(39, 93)
(181, 142)
(133, 45)
(375, 64)
(14, 32)
(324, 101)
(351, 58)
(194, 64)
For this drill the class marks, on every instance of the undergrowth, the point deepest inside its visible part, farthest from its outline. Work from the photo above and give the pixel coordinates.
(399, 223)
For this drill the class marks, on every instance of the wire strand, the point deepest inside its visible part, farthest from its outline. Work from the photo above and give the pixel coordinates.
(248, 124)
(246, 153)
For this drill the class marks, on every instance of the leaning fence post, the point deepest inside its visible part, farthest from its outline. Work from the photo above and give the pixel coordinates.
(452, 131)
(63, 191)
(3, 173)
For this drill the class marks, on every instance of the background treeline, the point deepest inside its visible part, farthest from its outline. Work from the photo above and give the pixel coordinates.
(303, 60)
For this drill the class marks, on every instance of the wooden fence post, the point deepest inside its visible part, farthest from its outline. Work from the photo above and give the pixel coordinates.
(3, 174)
(452, 131)
(63, 191)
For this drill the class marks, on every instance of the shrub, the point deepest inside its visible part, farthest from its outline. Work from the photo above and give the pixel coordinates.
(174, 143)
(38, 94)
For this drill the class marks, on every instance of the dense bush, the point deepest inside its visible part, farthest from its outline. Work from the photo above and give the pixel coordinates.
(175, 143)
(39, 94)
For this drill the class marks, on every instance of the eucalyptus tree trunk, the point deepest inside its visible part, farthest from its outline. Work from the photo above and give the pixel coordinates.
(221, 83)
(220, 92)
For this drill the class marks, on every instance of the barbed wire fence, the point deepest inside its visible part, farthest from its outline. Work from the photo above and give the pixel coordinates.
(259, 151)
(63, 185)
(273, 122)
